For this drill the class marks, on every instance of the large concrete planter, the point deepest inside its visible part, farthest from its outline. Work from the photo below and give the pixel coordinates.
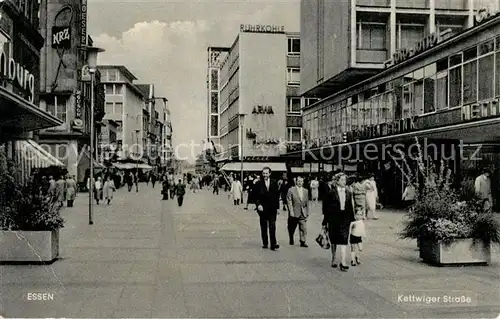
(458, 252)
(29, 246)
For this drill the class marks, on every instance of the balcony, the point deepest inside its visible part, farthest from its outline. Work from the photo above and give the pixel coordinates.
(371, 56)
(294, 121)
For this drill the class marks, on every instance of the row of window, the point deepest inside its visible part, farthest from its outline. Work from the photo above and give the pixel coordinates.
(293, 46)
(373, 35)
(295, 104)
(113, 89)
(114, 108)
(467, 77)
(293, 76)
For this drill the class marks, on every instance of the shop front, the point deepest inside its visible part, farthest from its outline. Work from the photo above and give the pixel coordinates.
(20, 114)
(447, 96)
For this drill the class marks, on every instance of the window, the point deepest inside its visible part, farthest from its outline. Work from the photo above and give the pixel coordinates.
(214, 78)
(470, 82)
(310, 101)
(214, 125)
(486, 70)
(294, 105)
(371, 36)
(293, 76)
(295, 135)
(429, 88)
(214, 102)
(112, 75)
(455, 86)
(293, 46)
(118, 108)
(109, 89)
(57, 107)
(109, 108)
(118, 89)
(407, 35)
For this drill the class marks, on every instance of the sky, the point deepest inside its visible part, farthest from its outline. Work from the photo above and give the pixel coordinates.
(164, 42)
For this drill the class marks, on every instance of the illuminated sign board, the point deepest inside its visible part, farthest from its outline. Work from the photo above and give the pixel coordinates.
(262, 28)
(14, 72)
(83, 23)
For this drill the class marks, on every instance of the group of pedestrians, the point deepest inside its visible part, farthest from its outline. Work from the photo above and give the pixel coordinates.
(343, 213)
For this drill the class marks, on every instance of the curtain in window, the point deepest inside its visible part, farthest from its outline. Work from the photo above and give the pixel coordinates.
(409, 35)
(470, 82)
(441, 90)
(455, 87)
(486, 71)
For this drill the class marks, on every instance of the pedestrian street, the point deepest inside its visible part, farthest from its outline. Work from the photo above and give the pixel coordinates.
(148, 258)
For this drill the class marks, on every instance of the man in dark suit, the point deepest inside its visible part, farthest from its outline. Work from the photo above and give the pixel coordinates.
(267, 200)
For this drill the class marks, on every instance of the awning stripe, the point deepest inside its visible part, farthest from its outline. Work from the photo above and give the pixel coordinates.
(254, 166)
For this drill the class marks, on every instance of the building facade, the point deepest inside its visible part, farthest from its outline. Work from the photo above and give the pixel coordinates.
(21, 115)
(256, 87)
(125, 104)
(447, 95)
(344, 42)
(63, 92)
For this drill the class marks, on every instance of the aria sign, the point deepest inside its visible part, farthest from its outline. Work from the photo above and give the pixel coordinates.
(262, 28)
(14, 72)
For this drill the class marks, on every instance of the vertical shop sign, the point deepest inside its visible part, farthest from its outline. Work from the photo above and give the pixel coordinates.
(83, 23)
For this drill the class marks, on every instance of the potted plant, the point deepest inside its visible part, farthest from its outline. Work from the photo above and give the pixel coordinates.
(448, 222)
(29, 218)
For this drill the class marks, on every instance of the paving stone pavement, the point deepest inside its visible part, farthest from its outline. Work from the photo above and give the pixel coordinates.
(146, 258)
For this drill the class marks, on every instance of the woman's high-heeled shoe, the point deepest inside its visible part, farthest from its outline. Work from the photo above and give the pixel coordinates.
(353, 263)
(344, 268)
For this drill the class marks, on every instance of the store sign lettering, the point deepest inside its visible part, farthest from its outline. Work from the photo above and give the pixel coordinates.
(424, 44)
(61, 37)
(13, 71)
(83, 23)
(262, 28)
(485, 14)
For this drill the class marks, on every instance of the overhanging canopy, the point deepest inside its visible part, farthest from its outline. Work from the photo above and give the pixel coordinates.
(21, 115)
(30, 151)
(254, 166)
(124, 165)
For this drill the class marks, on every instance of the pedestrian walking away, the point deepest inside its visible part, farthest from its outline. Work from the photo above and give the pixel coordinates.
(298, 211)
(108, 189)
(180, 191)
(164, 188)
(70, 190)
(268, 203)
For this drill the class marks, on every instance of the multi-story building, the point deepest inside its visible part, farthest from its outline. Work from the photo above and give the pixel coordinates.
(165, 132)
(20, 114)
(256, 87)
(445, 91)
(344, 42)
(125, 105)
(63, 93)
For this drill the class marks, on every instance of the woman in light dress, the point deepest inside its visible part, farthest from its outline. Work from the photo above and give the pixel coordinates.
(98, 190)
(70, 190)
(359, 190)
(108, 189)
(371, 197)
(314, 190)
(236, 191)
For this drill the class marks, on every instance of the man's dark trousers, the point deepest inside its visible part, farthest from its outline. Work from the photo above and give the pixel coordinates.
(180, 199)
(268, 222)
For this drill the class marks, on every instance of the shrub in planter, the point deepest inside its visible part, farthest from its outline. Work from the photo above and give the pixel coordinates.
(29, 219)
(442, 216)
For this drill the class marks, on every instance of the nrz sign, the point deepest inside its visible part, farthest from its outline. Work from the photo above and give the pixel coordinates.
(61, 37)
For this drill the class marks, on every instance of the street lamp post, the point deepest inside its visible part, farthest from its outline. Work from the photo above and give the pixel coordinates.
(137, 162)
(92, 68)
(242, 118)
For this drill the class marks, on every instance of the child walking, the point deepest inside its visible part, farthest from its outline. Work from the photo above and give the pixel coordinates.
(357, 232)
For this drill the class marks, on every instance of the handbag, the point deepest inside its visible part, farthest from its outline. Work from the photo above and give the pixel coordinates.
(323, 240)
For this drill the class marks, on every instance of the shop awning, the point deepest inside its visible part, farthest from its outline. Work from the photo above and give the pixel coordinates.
(124, 165)
(30, 155)
(254, 166)
(19, 115)
(144, 166)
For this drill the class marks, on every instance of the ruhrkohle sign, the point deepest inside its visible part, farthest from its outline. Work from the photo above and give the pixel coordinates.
(262, 28)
